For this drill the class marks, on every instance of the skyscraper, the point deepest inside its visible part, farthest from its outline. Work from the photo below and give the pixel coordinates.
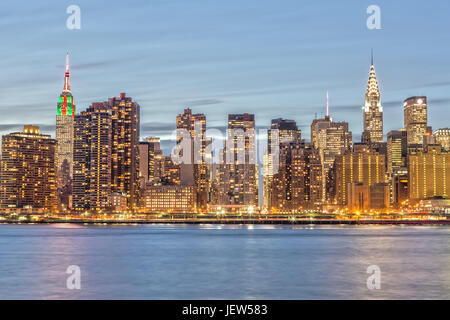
(64, 137)
(330, 139)
(237, 188)
(429, 174)
(442, 136)
(415, 116)
(360, 166)
(197, 170)
(28, 171)
(372, 111)
(282, 131)
(397, 150)
(297, 184)
(92, 159)
(125, 147)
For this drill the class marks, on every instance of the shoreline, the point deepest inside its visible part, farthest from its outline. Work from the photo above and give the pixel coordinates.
(235, 222)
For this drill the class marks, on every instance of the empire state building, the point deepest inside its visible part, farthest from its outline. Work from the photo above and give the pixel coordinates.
(373, 111)
(64, 133)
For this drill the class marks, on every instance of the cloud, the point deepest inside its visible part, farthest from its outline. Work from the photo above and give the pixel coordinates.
(203, 102)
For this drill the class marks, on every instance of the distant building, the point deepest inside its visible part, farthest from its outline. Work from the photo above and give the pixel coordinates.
(397, 145)
(28, 171)
(297, 184)
(399, 182)
(64, 136)
(148, 151)
(118, 202)
(143, 164)
(442, 137)
(429, 174)
(166, 171)
(282, 131)
(92, 159)
(372, 111)
(197, 169)
(362, 165)
(237, 176)
(170, 199)
(362, 197)
(331, 139)
(125, 147)
(415, 117)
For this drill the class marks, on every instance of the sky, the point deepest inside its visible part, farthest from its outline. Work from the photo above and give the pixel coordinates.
(271, 58)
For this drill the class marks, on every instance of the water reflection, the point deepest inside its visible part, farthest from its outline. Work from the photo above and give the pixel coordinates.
(223, 261)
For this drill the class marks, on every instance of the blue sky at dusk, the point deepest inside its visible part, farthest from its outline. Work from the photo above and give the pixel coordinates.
(271, 58)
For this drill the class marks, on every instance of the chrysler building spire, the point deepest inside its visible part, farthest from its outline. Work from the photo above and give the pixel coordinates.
(373, 110)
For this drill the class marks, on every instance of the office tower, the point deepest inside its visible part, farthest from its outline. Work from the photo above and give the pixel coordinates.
(281, 131)
(92, 159)
(397, 145)
(143, 164)
(148, 150)
(399, 184)
(170, 199)
(317, 127)
(361, 165)
(166, 172)
(415, 116)
(330, 139)
(297, 184)
(196, 171)
(28, 171)
(442, 137)
(125, 147)
(237, 188)
(64, 137)
(154, 148)
(372, 111)
(429, 174)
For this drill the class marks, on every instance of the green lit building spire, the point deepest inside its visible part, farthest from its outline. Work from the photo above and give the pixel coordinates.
(66, 106)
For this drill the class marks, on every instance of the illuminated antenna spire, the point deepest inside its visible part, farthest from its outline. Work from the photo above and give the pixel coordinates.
(67, 62)
(328, 105)
(66, 76)
(371, 60)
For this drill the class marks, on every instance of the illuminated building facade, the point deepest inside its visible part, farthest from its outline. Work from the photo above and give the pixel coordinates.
(429, 174)
(442, 137)
(282, 131)
(330, 139)
(64, 136)
(415, 117)
(148, 150)
(238, 174)
(362, 165)
(28, 171)
(166, 171)
(197, 171)
(372, 111)
(297, 184)
(399, 188)
(362, 197)
(125, 147)
(170, 199)
(92, 159)
(397, 145)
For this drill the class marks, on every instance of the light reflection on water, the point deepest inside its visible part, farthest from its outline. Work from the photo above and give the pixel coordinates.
(223, 261)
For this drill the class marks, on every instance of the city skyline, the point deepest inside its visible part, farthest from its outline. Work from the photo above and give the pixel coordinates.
(271, 68)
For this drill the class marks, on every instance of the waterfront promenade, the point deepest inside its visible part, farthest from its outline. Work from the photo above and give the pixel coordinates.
(300, 219)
